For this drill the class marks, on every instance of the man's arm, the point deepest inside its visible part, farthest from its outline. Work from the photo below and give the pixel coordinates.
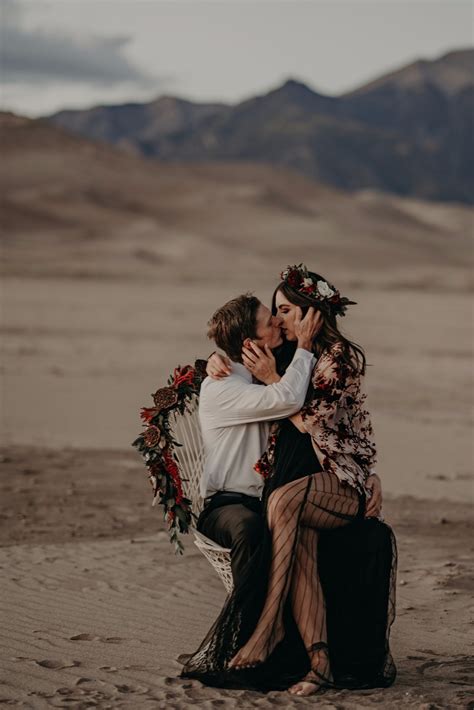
(234, 401)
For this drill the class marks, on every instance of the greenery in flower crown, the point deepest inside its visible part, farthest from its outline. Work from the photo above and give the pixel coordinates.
(300, 279)
(157, 446)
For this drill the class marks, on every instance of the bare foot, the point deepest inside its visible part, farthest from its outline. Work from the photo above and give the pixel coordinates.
(304, 687)
(248, 655)
(240, 660)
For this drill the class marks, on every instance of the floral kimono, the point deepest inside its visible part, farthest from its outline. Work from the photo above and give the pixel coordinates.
(338, 422)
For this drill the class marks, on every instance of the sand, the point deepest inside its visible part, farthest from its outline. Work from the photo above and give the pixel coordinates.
(96, 606)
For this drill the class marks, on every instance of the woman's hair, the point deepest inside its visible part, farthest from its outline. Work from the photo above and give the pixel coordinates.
(352, 354)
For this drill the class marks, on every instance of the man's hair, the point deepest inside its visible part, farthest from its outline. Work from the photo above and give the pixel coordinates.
(233, 323)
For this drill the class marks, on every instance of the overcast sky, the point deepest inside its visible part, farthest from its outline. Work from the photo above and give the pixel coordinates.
(78, 53)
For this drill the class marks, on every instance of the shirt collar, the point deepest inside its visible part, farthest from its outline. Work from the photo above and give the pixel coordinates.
(241, 370)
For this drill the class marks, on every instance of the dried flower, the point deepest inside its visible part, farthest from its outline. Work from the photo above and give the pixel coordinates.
(156, 446)
(152, 436)
(165, 398)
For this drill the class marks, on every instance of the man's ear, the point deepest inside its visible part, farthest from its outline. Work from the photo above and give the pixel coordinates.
(247, 343)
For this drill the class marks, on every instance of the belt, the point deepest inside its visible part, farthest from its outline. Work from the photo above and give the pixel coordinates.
(224, 498)
(230, 494)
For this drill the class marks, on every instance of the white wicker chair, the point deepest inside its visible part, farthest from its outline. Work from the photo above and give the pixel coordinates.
(187, 431)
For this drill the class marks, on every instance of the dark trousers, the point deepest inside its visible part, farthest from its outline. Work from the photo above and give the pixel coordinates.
(234, 526)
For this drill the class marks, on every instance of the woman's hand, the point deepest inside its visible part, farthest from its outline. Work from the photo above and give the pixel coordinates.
(374, 503)
(218, 366)
(297, 420)
(307, 328)
(260, 363)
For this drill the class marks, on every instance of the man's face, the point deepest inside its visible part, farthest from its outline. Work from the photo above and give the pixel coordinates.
(268, 328)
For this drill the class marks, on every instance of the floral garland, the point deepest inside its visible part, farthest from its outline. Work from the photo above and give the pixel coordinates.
(299, 279)
(156, 444)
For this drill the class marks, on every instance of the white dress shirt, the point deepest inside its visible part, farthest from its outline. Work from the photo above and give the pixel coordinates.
(235, 413)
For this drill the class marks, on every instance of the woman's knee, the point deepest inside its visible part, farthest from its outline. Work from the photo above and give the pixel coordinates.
(326, 482)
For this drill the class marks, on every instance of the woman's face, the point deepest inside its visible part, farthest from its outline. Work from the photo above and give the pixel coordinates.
(287, 312)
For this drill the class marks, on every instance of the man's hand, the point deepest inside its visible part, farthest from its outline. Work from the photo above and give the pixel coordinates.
(260, 363)
(374, 503)
(218, 366)
(307, 328)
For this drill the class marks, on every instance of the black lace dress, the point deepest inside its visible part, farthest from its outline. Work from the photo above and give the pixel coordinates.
(357, 566)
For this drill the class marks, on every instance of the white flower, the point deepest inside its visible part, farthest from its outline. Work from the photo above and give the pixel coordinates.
(307, 282)
(324, 290)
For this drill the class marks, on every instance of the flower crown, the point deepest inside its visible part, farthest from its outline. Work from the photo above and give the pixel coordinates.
(300, 280)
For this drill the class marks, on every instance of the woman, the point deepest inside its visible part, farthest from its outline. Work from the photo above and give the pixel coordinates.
(273, 630)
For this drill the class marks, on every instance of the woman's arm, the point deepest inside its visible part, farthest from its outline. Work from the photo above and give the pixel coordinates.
(218, 366)
(336, 416)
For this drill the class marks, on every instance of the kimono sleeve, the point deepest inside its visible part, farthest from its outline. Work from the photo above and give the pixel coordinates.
(335, 416)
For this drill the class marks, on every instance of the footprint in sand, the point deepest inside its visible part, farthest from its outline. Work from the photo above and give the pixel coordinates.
(91, 637)
(140, 689)
(458, 671)
(136, 667)
(83, 637)
(57, 664)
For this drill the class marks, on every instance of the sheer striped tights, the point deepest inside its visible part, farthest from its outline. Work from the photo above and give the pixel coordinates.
(295, 513)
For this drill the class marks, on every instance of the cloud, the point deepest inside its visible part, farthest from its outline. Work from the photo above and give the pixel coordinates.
(32, 55)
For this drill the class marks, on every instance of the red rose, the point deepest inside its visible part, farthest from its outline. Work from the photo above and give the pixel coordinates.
(184, 375)
(294, 279)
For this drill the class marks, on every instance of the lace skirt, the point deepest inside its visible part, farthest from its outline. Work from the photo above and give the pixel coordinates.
(357, 568)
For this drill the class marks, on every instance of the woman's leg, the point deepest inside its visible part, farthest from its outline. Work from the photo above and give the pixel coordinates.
(308, 603)
(316, 502)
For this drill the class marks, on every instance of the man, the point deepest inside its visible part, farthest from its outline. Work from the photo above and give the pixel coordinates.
(235, 414)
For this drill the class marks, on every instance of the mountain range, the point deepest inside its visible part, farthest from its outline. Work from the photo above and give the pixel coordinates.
(72, 207)
(407, 132)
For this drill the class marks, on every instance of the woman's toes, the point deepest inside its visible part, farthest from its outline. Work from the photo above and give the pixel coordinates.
(304, 688)
(237, 662)
(234, 661)
(294, 689)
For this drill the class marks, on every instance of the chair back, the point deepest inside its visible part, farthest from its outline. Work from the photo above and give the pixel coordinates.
(187, 431)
